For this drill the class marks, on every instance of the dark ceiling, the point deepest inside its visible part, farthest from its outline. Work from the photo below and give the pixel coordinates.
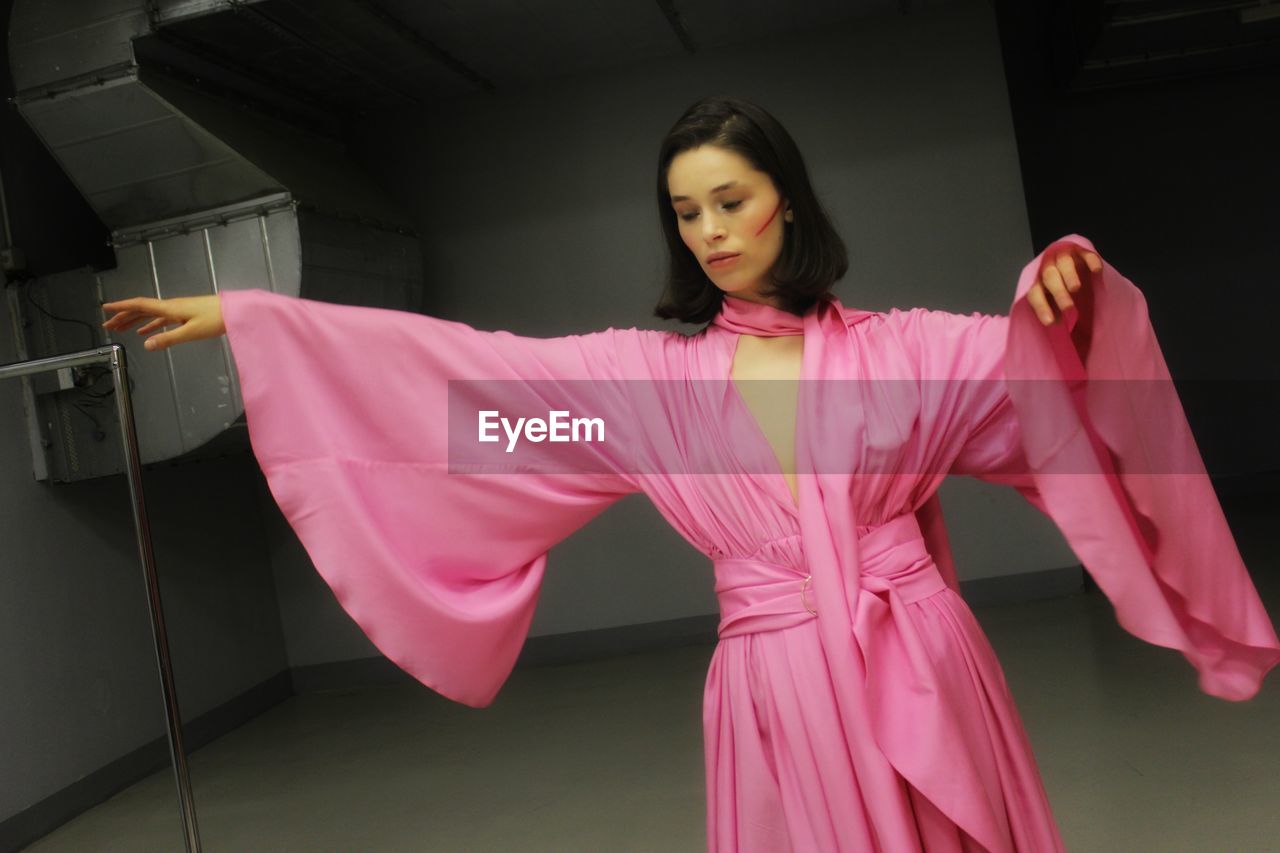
(323, 62)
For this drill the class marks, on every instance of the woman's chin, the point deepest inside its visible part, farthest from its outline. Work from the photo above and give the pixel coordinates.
(730, 284)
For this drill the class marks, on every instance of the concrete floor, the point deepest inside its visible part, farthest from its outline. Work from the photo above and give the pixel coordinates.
(607, 756)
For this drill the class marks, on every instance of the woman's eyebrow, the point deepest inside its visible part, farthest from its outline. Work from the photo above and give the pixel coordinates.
(676, 198)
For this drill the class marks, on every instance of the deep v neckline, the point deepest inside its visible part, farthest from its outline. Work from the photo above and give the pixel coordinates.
(775, 476)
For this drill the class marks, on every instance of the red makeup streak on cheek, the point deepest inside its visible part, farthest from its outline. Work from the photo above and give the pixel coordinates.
(770, 219)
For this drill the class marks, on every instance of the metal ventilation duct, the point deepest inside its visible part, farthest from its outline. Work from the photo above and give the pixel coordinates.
(203, 189)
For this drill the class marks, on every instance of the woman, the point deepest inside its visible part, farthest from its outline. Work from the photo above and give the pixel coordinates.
(852, 702)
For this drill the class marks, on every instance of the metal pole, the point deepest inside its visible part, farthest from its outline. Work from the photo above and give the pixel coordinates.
(114, 356)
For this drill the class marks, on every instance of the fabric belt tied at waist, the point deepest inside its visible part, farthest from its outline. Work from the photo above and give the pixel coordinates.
(758, 595)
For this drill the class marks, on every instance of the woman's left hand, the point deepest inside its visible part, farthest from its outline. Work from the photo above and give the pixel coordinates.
(1060, 276)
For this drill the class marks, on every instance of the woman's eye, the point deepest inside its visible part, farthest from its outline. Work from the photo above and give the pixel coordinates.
(729, 205)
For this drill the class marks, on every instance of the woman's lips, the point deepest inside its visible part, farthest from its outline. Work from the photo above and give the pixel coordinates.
(723, 262)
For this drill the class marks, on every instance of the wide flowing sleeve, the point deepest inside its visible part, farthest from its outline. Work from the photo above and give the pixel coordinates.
(1083, 419)
(434, 542)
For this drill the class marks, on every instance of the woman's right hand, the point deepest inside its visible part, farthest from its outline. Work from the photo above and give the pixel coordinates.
(199, 317)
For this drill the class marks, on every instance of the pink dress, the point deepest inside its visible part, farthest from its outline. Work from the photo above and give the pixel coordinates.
(853, 702)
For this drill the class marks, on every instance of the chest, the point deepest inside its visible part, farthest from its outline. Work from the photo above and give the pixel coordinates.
(766, 372)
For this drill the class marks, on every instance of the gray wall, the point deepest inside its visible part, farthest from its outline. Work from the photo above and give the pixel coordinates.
(76, 655)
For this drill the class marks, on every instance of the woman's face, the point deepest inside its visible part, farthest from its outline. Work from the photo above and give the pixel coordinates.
(723, 204)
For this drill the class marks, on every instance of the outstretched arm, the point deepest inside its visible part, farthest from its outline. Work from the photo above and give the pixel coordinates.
(1084, 421)
(349, 411)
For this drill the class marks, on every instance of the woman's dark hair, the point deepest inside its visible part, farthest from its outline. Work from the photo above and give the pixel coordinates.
(813, 256)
